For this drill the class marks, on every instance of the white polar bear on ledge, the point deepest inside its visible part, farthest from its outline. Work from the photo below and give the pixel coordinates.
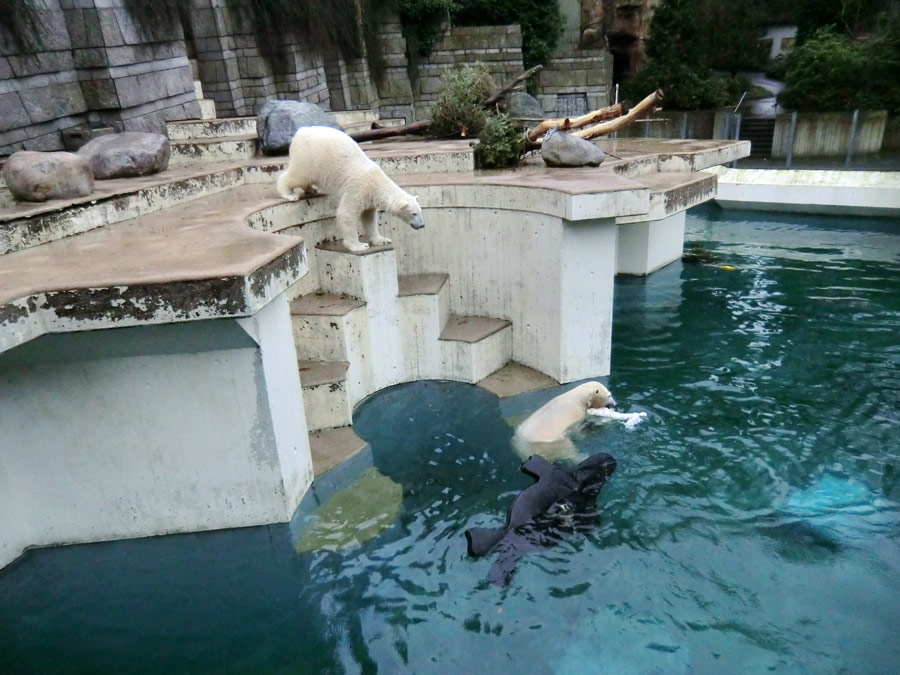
(327, 160)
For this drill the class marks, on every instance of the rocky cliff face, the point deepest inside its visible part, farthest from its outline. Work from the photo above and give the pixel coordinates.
(623, 24)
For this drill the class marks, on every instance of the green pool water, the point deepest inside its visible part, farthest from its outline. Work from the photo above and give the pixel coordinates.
(752, 525)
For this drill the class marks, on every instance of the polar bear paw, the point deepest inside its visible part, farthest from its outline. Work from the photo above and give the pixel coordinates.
(355, 246)
(380, 241)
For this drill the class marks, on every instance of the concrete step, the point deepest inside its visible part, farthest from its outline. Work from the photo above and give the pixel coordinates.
(355, 120)
(322, 322)
(331, 448)
(473, 347)
(332, 327)
(424, 309)
(326, 398)
(216, 128)
(207, 108)
(224, 149)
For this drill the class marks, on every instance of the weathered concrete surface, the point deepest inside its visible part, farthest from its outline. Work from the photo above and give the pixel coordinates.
(858, 193)
(138, 432)
(39, 176)
(201, 262)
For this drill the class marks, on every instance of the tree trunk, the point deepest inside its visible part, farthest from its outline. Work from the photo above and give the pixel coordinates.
(564, 124)
(636, 112)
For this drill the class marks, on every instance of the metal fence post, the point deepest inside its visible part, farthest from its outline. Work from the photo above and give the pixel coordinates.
(790, 143)
(850, 143)
(737, 133)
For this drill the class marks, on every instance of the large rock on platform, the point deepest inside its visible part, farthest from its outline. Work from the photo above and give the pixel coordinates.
(521, 106)
(562, 149)
(39, 176)
(133, 153)
(278, 121)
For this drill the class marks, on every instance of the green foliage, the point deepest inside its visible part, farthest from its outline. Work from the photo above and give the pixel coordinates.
(688, 40)
(22, 21)
(459, 108)
(853, 17)
(421, 21)
(541, 21)
(500, 143)
(833, 71)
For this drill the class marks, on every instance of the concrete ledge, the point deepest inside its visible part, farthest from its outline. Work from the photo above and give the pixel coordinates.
(857, 193)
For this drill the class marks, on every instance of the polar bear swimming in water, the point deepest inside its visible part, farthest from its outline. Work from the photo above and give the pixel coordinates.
(327, 160)
(544, 432)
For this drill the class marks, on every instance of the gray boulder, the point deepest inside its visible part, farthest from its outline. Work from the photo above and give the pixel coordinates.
(562, 149)
(278, 121)
(133, 153)
(521, 106)
(39, 176)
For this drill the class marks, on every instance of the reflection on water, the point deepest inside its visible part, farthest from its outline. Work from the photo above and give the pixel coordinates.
(752, 524)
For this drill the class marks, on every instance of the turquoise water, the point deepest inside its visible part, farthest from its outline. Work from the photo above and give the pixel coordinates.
(752, 525)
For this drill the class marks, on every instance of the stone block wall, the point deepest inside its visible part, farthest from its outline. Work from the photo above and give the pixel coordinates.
(574, 75)
(499, 48)
(237, 76)
(95, 67)
(394, 92)
(40, 94)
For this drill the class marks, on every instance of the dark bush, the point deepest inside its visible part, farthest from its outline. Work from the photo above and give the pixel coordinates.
(500, 143)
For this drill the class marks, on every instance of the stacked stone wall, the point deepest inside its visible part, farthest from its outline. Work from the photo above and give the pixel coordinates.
(94, 67)
(575, 74)
(499, 48)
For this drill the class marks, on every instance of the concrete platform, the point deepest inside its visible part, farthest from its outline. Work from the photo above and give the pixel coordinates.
(856, 193)
(197, 420)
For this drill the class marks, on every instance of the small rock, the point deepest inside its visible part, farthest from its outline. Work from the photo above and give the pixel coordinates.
(39, 176)
(562, 149)
(278, 121)
(133, 153)
(520, 105)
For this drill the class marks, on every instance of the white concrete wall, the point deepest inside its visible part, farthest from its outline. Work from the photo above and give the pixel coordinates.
(860, 193)
(647, 246)
(15, 528)
(143, 431)
(551, 277)
(508, 269)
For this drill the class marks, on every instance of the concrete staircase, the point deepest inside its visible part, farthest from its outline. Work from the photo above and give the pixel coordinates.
(235, 139)
(760, 131)
(344, 333)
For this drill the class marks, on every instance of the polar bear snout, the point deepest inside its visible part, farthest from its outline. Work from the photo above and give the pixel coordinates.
(416, 222)
(601, 401)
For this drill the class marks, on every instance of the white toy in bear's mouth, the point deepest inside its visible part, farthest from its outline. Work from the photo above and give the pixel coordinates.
(631, 420)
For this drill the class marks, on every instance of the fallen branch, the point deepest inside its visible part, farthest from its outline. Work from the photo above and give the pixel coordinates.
(637, 111)
(377, 133)
(512, 85)
(566, 123)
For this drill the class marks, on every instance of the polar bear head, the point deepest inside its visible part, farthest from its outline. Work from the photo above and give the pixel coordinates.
(594, 395)
(409, 209)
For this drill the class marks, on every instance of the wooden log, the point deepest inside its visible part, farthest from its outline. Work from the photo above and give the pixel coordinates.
(636, 112)
(389, 132)
(564, 124)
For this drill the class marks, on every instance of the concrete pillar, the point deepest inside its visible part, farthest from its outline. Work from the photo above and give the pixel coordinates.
(150, 430)
(587, 271)
(644, 247)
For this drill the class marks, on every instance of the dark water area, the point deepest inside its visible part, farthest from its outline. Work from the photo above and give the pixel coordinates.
(752, 524)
